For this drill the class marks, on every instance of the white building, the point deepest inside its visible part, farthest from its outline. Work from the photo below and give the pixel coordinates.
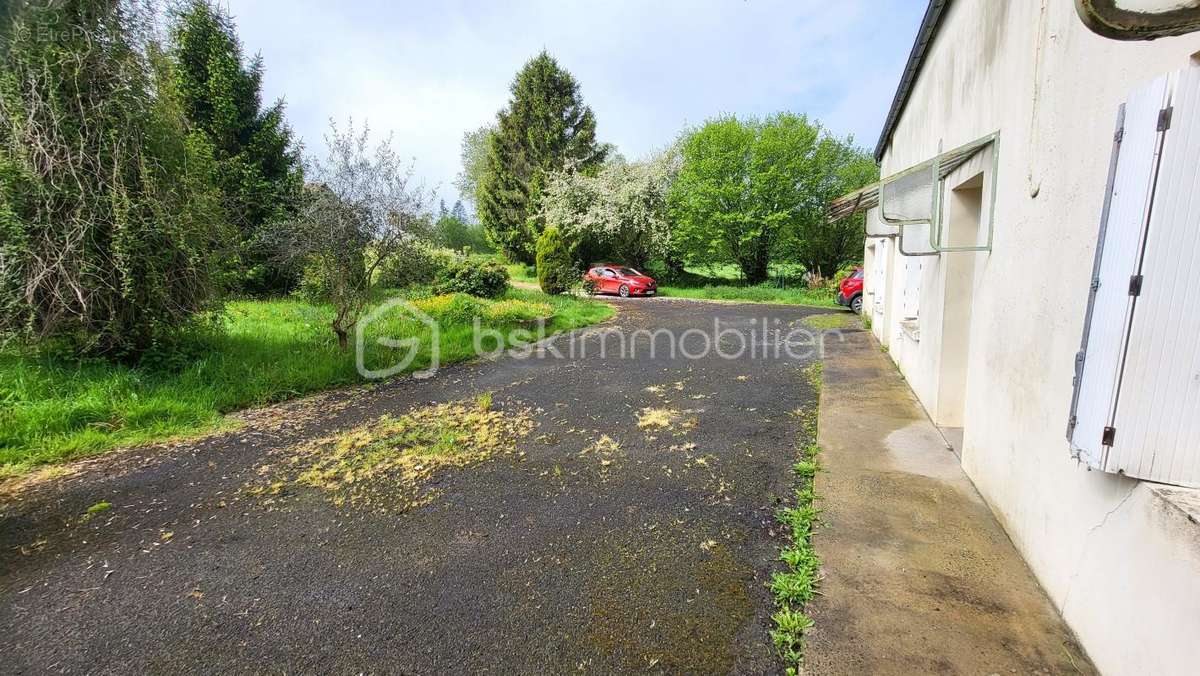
(1032, 147)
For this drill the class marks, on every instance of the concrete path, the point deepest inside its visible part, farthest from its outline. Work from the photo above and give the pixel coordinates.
(918, 575)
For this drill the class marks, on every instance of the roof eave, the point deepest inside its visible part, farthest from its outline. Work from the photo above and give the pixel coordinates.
(916, 59)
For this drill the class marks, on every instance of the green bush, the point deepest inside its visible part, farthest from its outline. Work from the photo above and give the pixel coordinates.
(112, 230)
(420, 264)
(475, 275)
(555, 270)
(453, 308)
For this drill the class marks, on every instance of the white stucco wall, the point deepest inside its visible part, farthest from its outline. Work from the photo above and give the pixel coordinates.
(1121, 563)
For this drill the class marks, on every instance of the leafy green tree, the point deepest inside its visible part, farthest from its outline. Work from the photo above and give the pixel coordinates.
(454, 230)
(545, 127)
(259, 168)
(555, 269)
(622, 210)
(751, 190)
(474, 155)
(110, 224)
(712, 200)
(814, 241)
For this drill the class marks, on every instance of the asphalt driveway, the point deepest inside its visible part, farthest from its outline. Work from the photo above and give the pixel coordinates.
(603, 542)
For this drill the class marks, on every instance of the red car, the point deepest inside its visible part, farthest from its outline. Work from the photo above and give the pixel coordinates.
(620, 280)
(851, 290)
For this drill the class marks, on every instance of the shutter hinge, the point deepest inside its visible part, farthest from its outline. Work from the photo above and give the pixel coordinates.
(1119, 136)
(1164, 118)
(1135, 285)
(1095, 284)
(1110, 433)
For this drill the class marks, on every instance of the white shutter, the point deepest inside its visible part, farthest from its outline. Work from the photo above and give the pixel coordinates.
(1157, 422)
(1120, 246)
(912, 288)
(883, 258)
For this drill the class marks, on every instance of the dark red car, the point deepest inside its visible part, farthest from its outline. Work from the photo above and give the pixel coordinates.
(851, 290)
(621, 280)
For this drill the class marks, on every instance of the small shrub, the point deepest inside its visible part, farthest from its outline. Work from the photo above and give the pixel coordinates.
(555, 269)
(419, 264)
(477, 276)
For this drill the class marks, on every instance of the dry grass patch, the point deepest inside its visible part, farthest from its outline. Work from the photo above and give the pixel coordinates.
(384, 465)
(605, 445)
(605, 449)
(656, 418)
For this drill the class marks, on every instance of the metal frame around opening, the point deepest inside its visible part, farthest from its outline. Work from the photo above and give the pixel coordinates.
(974, 147)
(960, 156)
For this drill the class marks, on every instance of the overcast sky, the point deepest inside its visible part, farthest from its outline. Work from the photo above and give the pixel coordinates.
(428, 71)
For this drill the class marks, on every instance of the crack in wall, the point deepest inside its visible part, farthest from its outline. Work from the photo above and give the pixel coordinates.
(1087, 545)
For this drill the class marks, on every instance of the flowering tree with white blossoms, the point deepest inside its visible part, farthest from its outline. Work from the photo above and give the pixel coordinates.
(623, 208)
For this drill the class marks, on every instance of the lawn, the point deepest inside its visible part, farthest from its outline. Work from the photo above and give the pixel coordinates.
(724, 282)
(762, 293)
(55, 409)
(521, 272)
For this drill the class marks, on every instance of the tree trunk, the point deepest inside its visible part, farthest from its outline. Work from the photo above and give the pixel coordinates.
(755, 268)
(343, 337)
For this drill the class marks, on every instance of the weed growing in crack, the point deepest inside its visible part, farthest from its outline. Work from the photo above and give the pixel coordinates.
(795, 586)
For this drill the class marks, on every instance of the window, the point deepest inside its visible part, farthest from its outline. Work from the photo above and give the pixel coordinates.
(1137, 373)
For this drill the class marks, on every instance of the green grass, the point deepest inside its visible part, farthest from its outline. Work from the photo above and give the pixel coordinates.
(830, 321)
(731, 272)
(796, 585)
(521, 272)
(102, 506)
(724, 282)
(763, 293)
(54, 409)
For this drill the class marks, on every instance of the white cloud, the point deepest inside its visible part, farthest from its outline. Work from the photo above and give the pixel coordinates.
(427, 72)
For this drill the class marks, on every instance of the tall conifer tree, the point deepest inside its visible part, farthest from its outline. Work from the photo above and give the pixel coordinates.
(259, 166)
(545, 127)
